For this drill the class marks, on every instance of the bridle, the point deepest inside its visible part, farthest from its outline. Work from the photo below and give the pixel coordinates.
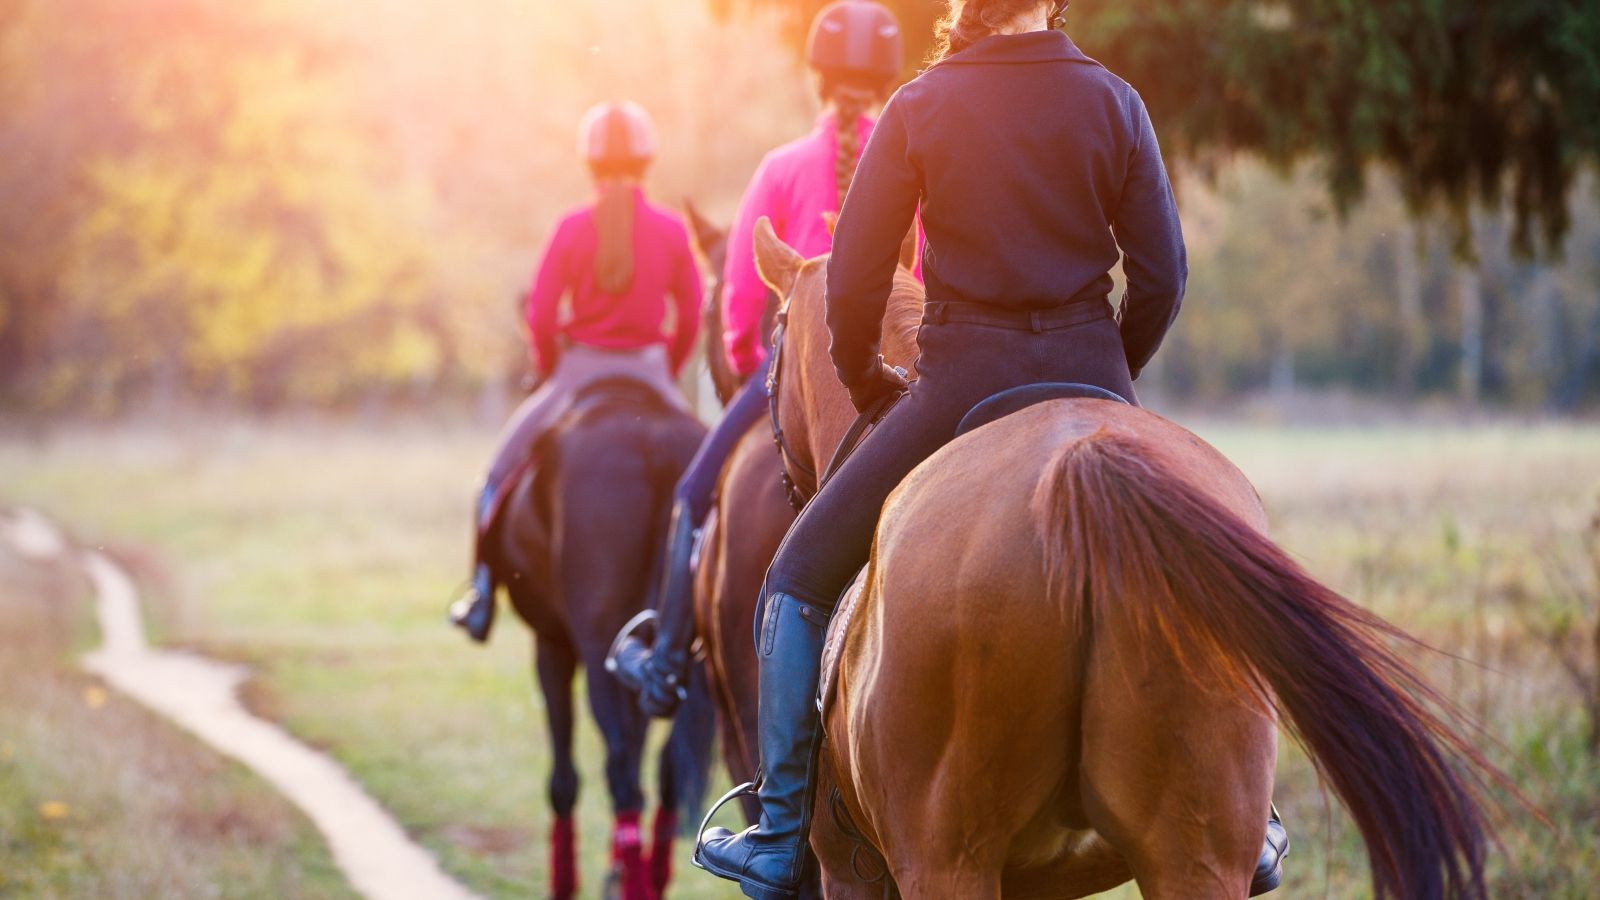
(847, 444)
(791, 461)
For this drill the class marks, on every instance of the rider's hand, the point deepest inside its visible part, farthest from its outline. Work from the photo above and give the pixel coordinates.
(660, 683)
(879, 381)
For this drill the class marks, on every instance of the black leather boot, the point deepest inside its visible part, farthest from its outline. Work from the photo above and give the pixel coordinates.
(474, 611)
(768, 859)
(1269, 869)
(664, 674)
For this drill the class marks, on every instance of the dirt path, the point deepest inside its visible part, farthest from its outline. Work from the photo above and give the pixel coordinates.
(201, 695)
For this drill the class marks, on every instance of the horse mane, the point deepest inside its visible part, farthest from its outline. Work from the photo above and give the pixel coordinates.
(903, 318)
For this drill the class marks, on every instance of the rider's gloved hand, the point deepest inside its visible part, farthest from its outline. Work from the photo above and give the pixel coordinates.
(661, 679)
(880, 380)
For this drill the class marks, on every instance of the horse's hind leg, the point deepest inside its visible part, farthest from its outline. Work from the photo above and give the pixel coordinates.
(1175, 776)
(622, 726)
(556, 664)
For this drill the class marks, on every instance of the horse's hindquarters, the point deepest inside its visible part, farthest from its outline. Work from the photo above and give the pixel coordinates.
(968, 692)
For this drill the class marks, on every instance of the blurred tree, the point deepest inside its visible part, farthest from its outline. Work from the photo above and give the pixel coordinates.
(1471, 103)
(295, 202)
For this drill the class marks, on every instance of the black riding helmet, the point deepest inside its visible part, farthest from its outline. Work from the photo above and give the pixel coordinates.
(858, 40)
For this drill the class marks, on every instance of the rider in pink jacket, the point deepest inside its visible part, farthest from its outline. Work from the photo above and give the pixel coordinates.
(797, 187)
(633, 318)
(632, 288)
(856, 52)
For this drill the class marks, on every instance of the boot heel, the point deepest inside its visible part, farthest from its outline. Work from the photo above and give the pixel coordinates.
(762, 892)
(744, 790)
(1266, 883)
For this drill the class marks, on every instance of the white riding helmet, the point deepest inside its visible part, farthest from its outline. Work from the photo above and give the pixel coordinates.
(617, 133)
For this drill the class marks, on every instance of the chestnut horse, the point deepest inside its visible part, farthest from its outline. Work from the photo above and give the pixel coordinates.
(1068, 663)
(752, 512)
(741, 535)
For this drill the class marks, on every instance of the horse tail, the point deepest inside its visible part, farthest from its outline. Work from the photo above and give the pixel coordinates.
(1124, 532)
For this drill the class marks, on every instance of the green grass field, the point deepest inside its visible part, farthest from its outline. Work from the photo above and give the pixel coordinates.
(324, 555)
(98, 798)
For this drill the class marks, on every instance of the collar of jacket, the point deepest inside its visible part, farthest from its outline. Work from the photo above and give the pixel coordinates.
(1018, 49)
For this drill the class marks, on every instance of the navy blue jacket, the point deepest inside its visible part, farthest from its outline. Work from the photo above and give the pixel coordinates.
(1033, 165)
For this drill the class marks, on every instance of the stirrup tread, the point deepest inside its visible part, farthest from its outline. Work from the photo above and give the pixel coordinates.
(748, 789)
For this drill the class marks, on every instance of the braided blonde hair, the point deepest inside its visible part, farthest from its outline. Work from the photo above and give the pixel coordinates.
(849, 104)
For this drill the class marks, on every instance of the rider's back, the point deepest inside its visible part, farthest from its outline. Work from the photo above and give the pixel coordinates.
(632, 318)
(1035, 167)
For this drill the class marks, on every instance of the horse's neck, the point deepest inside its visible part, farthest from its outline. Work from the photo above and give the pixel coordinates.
(814, 407)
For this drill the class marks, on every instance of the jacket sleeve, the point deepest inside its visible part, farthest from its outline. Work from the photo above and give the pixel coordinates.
(686, 297)
(544, 299)
(744, 297)
(1150, 235)
(878, 211)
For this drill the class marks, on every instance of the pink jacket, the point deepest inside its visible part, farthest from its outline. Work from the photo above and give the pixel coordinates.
(663, 266)
(794, 186)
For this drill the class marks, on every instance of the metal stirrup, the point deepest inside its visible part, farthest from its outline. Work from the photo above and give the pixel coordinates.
(640, 620)
(748, 789)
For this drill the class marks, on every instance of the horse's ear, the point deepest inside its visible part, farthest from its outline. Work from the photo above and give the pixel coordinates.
(908, 248)
(704, 235)
(778, 263)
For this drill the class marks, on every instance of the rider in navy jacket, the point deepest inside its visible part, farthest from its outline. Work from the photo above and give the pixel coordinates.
(1019, 174)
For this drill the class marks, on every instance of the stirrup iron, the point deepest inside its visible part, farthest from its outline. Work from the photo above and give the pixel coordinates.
(748, 789)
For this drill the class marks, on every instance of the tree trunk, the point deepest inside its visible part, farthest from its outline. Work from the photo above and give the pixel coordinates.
(1280, 381)
(1408, 297)
(1469, 299)
(1543, 373)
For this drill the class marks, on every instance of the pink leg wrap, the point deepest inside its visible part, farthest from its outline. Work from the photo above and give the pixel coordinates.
(664, 830)
(627, 855)
(563, 859)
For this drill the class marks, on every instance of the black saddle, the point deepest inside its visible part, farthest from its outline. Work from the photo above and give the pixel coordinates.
(1003, 404)
(616, 393)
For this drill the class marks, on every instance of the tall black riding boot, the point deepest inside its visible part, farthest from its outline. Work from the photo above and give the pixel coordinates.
(1269, 869)
(667, 670)
(767, 859)
(474, 611)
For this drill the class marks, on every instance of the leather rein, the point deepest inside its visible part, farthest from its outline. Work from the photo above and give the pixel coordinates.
(847, 444)
(791, 462)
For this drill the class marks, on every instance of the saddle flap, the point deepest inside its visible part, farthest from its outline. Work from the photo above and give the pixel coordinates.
(833, 644)
(998, 406)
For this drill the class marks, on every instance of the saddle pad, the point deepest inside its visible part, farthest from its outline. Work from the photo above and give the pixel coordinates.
(833, 644)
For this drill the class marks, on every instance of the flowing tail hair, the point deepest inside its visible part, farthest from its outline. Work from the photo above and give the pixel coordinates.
(1235, 610)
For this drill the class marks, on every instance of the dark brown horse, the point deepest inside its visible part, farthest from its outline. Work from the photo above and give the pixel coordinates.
(577, 550)
(1072, 646)
(752, 512)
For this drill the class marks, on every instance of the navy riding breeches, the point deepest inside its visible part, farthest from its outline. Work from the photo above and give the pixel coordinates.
(968, 353)
(699, 481)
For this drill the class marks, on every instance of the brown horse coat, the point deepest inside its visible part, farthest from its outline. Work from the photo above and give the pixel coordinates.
(752, 513)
